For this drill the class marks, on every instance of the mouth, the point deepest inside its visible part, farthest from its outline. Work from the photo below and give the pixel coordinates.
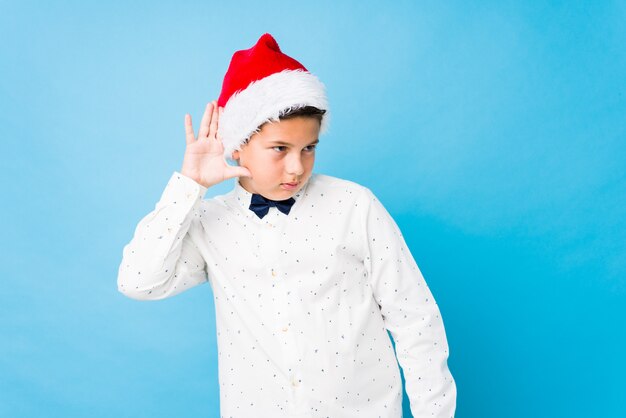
(289, 186)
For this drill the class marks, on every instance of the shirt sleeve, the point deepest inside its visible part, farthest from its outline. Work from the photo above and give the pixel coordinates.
(410, 313)
(162, 260)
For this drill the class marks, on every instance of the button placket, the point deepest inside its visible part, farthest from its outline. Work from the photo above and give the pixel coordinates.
(284, 331)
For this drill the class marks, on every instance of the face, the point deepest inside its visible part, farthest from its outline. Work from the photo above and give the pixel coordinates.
(280, 157)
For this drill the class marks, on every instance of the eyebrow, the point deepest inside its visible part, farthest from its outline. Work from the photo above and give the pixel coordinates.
(287, 143)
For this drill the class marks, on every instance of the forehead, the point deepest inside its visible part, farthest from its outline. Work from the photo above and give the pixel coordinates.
(290, 131)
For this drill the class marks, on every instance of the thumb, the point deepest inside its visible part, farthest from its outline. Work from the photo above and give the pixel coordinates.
(232, 171)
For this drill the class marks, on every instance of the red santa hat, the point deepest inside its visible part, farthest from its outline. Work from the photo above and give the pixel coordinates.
(260, 84)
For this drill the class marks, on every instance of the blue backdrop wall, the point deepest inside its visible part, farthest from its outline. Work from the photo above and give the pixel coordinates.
(494, 132)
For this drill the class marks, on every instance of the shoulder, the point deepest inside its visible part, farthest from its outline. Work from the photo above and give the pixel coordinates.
(320, 183)
(220, 203)
(347, 197)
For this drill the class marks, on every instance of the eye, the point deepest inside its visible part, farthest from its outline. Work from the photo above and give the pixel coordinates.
(279, 148)
(310, 148)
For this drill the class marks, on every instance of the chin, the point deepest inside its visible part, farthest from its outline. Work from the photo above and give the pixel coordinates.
(283, 195)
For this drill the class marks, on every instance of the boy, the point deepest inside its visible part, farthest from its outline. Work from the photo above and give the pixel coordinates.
(308, 271)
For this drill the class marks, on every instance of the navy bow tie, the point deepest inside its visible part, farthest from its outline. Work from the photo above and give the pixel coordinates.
(261, 205)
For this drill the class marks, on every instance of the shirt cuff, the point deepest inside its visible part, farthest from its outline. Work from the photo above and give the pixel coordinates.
(181, 191)
(192, 189)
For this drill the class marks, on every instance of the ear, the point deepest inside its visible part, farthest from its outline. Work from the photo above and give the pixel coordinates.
(235, 155)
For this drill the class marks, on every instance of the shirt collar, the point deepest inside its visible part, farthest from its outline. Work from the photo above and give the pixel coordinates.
(244, 197)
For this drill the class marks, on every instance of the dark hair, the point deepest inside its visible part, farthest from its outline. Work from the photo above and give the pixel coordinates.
(292, 112)
(307, 111)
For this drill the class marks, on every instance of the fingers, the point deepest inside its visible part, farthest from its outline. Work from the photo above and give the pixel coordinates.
(218, 136)
(206, 119)
(208, 124)
(214, 118)
(189, 137)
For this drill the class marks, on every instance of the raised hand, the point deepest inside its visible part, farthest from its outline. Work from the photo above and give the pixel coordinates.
(204, 157)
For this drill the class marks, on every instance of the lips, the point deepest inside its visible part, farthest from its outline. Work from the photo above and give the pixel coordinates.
(289, 186)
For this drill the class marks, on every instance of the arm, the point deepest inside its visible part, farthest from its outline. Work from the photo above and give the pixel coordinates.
(410, 313)
(162, 260)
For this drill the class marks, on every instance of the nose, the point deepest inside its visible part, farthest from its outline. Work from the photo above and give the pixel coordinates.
(293, 165)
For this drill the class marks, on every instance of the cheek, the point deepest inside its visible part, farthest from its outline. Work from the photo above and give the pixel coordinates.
(309, 161)
(268, 168)
(259, 163)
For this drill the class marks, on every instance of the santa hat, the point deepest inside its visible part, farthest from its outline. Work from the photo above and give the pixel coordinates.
(260, 84)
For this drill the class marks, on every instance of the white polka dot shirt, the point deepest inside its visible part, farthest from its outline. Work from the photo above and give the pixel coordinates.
(303, 301)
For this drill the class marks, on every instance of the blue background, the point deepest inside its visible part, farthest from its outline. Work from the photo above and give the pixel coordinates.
(494, 132)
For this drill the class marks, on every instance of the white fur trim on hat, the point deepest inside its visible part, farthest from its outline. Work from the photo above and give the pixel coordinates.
(263, 101)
